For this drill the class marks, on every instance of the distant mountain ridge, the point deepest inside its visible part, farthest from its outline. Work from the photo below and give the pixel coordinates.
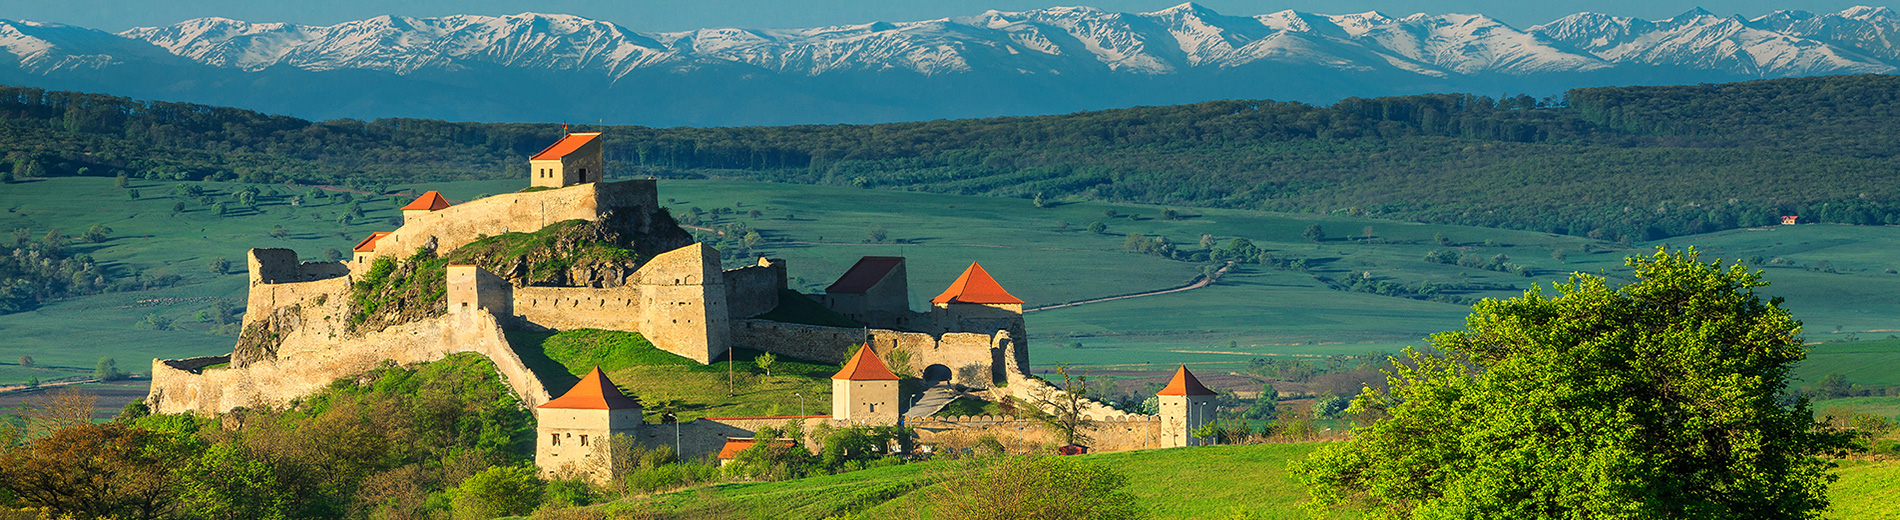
(996, 63)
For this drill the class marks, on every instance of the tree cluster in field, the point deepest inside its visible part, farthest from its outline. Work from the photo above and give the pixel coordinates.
(1815, 147)
(50, 267)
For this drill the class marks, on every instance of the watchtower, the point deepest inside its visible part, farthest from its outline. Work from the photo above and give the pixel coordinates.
(976, 303)
(428, 202)
(1186, 404)
(574, 433)
(575, 159)
(865, 391)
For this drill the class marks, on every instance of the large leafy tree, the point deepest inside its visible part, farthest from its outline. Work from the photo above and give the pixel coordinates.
(1658, 399)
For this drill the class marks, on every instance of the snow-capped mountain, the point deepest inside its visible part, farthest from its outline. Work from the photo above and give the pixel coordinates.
(1037, 61)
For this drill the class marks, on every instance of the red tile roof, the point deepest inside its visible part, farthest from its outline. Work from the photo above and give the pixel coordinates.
(734, 446)
(975, 286)
(565, 146)
(867, 272)
(865, 366)
(594, 392)
(369, 244)
(430, 201)
(1184, 383)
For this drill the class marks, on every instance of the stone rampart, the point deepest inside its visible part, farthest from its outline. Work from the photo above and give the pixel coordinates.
(753, 290)
(807, 342)
(565, 308)
(1112, 433)
(277, 382)
(458, 225)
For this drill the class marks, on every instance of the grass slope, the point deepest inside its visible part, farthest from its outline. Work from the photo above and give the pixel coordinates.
(1208, 482)
(656, 376)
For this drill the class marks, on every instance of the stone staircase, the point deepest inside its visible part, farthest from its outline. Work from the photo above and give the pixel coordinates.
(935, 397)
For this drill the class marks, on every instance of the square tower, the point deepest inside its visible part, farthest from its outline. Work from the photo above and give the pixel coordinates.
(865, 391)
(575, 159)
(976, 303)
(428, 203)
(575, 432)
(1186, 404)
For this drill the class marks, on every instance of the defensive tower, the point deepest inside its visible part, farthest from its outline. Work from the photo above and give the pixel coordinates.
(574, 432)
(1186, 404)
(575, 159)
(865, 391)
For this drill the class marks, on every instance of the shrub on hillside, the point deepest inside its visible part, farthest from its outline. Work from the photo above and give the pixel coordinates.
(1047, 488)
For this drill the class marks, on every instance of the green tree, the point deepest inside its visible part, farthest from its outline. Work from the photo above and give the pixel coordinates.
(1314, 233)
(279, 233)
(108, 370)
(224, 484)
(1098, 228)
(497, 491)
(876, 234)
(219, 265)
(1658, 399)
(132, 194)
(178, 207)
(1064, 410)
(26, 361)
(97, 233)
(96, 471)
(120, 182)
(764, 361)
(332, 255)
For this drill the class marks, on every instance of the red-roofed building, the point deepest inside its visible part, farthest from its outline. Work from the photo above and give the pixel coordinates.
(367, 248)
(573, 430)
(1186, 404)
(976, 286)
(735, 445)
(575, 159)
(875, 292)
(428, 202)
(865, 390)
(975, 303)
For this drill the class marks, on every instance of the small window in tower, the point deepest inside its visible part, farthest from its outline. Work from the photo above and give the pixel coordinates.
(583, 440)
(554, 439)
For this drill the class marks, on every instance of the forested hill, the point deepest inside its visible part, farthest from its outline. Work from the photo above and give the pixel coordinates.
(1636, 162)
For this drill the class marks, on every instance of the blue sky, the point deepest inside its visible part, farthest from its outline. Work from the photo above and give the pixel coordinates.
(651, 15)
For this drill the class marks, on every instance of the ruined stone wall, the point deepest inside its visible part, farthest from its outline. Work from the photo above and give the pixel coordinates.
(1112, 433)
(807, 342)
(753, 290)
(277, 279)
(312, 359)
(566, 308)
(684, 294)
(460, 224)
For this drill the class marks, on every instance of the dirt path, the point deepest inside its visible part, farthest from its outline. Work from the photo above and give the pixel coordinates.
(1199, 282)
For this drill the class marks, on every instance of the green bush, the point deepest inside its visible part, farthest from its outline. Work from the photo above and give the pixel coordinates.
(497, 491)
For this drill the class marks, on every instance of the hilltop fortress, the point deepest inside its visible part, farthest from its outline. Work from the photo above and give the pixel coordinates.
(308, 323)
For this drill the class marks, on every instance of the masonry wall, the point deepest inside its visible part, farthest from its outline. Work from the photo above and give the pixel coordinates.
(1112, 433)
(460, 224)
(754, 290)
(807, 342)
(320, 359)
(566, 308)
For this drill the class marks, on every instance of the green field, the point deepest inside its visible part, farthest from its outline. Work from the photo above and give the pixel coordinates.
(820, 231)
(1207, 482)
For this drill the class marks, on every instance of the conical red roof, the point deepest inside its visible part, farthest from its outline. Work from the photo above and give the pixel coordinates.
(430, 201)
(975, 286)
(594, 392)
(1184, 383)
(865, 366)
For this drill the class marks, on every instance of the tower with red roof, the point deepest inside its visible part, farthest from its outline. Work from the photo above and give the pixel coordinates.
(575, 159)
(574, 432)
(1186, 404)
(427, 203)
(865, 391)
(976, 303)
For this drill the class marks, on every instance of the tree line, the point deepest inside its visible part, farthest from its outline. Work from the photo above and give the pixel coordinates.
(1708, 157)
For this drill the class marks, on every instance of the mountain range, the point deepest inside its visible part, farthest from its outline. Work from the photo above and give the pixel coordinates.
(545, 67)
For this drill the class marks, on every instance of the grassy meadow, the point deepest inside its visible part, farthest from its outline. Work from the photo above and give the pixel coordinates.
(1835, 278)
(1213, 482)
